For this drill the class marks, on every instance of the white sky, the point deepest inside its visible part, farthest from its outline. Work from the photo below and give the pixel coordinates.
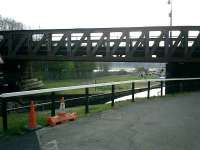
(100, 13)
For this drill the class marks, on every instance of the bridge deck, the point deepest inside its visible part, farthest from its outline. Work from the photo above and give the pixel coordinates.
(172, 122)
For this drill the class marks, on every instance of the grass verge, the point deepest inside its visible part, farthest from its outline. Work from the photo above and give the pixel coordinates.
(17, 122)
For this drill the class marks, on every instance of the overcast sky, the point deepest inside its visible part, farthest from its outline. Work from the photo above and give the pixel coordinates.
(100, 13)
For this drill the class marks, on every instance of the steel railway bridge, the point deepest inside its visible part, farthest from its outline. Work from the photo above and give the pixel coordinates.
(146, 44)
(178, 46)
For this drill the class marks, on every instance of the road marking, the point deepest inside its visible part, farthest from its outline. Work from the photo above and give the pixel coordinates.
(51, 145)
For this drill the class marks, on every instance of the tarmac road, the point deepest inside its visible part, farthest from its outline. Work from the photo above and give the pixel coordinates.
(169, 123)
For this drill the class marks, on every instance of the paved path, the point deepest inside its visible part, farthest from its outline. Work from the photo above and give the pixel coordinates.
(169, 123)
(25, 142)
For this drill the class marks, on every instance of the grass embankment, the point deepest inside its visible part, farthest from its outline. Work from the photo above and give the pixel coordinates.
(110, 78)
(18, 121)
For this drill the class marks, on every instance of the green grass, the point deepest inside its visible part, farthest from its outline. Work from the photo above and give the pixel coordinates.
(17, 122)
(110, 78)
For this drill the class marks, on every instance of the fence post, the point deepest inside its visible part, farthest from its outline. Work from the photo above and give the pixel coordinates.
(133, 91)
(113, 96)
(53, 105)
(4, 115)
(161, 88)
(148, 91)
(95, 88)
(86, 100)
(180, 86)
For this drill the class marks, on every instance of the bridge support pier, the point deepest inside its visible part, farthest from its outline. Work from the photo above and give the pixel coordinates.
(13, 73)
(182, 70)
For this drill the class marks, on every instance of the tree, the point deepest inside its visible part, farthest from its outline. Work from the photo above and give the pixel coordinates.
(10, 24)
(84, 69)
(63, 70)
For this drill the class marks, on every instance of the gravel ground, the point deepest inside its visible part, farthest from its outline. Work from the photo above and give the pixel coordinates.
(169, 123)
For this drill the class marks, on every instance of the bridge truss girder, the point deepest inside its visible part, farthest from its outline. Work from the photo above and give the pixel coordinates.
(144, 44)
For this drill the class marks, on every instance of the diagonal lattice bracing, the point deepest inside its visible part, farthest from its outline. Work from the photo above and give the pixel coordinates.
(103, 44)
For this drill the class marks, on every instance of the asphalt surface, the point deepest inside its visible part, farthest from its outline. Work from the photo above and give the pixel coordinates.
(25, 142)
(169, 123)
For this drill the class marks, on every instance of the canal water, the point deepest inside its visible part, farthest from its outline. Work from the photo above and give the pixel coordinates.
(153, 93)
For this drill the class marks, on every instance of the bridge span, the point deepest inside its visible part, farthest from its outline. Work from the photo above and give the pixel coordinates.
(130, 44)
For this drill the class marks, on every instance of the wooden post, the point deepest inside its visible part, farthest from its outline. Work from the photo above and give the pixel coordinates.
(113, 96)
(95, 88)
(53, 105)
(133, 92)
(86, 100)
(180, 86)
(148, 91)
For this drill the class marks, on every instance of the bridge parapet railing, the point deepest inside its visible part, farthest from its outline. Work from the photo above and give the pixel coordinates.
(6, 97)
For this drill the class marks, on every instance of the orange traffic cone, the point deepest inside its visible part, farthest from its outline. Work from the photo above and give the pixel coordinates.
(32, 120)
(61, 116)
(62, 106)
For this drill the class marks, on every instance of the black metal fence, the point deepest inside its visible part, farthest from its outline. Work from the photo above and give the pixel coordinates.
(86, 97)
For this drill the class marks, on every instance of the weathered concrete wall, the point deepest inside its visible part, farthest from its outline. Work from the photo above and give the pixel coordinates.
(14, 72)
(182, 70)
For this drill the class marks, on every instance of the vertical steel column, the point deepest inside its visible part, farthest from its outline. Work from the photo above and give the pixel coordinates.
(167, 42)
(86, 100)
(69, 49)
(89, 45)
(108, 50)
(113, 96)
(185, 43)
(53, 105)
(49, 43)
(148, 91)
(161, 88)
(127, 43)
(133, 91)
(29, 43)
(4, 115)
(10, 43)
(147, 50)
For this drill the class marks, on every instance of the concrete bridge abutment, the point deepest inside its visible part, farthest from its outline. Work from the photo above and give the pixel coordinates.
(182, 70)
(14, 71)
